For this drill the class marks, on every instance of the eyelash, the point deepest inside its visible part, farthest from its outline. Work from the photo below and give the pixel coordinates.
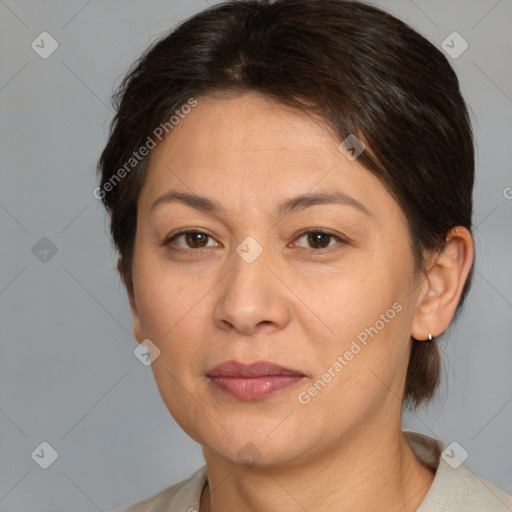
(321, 250)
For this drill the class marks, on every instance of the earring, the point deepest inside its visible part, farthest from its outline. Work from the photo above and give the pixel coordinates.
(430, 337)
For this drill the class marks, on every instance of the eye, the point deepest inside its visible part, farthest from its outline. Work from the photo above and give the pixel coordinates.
(197, 239)
(193, 239)
(318, 240)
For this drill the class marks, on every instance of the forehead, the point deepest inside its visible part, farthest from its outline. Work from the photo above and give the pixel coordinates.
(227, 128)
(248, 148)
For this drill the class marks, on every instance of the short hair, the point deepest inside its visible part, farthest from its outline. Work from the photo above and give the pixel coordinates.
(359, 69)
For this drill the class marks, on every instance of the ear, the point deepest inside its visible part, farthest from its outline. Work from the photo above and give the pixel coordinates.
(446, 274)
(128, 282)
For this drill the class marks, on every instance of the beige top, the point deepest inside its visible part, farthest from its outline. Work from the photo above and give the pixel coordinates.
(454, 488)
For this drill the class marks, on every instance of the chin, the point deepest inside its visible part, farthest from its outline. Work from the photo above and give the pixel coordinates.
(253, 444)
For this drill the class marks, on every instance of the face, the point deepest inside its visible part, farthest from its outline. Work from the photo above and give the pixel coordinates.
(302, 261)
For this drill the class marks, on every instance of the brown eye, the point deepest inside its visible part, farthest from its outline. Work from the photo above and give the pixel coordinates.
(319, 239)
(192, 240)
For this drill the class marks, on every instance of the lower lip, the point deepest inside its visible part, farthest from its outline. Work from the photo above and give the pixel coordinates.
(255, 388)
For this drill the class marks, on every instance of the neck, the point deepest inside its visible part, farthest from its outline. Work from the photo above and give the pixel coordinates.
(362, 473)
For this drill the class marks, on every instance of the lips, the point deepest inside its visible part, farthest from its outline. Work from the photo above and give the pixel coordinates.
(258, 369)
(253, 381)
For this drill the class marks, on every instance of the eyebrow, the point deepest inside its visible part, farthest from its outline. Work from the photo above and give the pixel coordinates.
(298, 203)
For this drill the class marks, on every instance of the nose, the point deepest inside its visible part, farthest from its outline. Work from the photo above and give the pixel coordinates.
(251, 298)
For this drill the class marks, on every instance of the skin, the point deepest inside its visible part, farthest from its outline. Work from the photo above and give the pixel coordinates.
(202, 304)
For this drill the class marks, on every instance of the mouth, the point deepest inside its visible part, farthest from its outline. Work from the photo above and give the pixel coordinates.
(254, 381)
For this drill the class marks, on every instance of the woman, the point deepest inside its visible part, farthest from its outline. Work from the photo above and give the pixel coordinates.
(290, 191)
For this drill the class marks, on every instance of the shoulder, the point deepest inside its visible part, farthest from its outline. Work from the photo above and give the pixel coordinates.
(183, 496)
(461, 489)
(455, 487)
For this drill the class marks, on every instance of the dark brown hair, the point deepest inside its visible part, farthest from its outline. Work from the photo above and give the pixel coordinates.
(359, 69)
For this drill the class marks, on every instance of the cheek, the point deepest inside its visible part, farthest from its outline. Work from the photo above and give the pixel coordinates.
(364, 310)
(349, 298)
(168, 309)
(163, 297)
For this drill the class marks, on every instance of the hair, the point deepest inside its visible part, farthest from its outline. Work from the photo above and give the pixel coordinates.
(359, 69)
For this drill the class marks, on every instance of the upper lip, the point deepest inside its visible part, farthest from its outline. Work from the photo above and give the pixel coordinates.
(257, 369)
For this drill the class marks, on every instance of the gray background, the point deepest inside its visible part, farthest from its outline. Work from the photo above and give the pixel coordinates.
(68, 375)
